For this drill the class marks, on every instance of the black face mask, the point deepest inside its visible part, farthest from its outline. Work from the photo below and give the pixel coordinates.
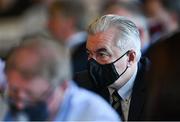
(37, 112)
(104, 74)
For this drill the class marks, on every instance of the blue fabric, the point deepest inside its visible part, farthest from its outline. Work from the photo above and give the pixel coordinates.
(82, 105)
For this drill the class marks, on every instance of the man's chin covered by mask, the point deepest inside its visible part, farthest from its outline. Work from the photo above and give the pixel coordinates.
(37, 112)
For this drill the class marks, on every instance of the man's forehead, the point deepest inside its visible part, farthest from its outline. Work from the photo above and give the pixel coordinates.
(26, 55)
(22, 58)
(100, 44)
(98, 47)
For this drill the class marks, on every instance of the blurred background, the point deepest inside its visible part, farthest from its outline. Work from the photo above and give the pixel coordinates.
(154, 18)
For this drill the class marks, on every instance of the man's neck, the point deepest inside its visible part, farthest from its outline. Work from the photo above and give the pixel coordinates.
(55, 101)
(124, 78)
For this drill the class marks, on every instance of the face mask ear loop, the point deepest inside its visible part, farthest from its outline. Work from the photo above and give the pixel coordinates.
(123, 71)
(121, 56)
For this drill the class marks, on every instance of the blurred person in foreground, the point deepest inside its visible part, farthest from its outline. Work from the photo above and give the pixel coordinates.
(40, 87)
(116, 69)
(66, 23)
(164, 93)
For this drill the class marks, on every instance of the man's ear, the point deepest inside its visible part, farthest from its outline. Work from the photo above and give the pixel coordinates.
(131, 57)
(64, 85)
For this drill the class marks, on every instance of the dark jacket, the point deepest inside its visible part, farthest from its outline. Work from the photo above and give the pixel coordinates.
(79, 58)
(137, 105)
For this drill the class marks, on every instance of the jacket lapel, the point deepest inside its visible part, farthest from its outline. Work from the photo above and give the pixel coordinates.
(137, 104)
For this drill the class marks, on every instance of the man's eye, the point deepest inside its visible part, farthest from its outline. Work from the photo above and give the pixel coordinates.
(102, 55)
(87, 53)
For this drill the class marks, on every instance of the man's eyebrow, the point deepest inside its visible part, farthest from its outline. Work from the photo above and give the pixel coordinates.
(101, 50)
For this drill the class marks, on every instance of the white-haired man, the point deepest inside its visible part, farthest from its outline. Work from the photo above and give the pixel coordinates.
(115, 65)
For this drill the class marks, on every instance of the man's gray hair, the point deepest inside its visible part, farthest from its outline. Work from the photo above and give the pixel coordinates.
(128, 33)
(53, 59)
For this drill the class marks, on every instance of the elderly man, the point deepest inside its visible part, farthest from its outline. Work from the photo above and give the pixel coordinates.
(39, 86)
(115, 68)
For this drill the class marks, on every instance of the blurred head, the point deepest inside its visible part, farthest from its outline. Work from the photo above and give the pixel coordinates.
(66, 18)
(34, 70)
(163, 15)
(173, 9)
(114, 40)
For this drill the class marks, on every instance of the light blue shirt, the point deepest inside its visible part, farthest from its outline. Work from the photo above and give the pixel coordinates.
(82, 105)
(125, 93)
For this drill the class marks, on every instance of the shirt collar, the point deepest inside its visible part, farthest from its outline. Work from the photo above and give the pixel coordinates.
(126, 90)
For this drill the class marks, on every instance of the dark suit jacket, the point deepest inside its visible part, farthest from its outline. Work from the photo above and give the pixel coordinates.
(137, 105)
(79, 58)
